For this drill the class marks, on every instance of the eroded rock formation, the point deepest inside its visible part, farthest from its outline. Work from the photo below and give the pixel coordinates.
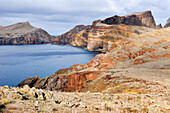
(23, 33)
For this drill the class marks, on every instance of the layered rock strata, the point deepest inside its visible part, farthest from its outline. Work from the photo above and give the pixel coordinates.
(104, 34)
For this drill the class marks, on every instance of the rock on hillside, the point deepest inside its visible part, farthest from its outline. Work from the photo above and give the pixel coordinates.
(139, 19)
(23, 33)
(102, 35)
(167, 23)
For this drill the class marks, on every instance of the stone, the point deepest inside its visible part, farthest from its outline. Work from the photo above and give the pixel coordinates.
(28, 81)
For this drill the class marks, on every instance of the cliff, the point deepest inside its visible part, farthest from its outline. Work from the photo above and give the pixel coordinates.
(167, 23)
(140, 19)
(23, 33)
(104, 34)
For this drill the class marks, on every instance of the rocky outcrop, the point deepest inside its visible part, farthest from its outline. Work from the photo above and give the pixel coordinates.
(167, 23)
(140, 19)
(71, 36)
(23, 33)
(70, 83)
(104, 34)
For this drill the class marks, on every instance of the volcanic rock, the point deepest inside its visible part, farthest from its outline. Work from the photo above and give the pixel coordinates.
(167, 23)
(139, 19)
(23, 33)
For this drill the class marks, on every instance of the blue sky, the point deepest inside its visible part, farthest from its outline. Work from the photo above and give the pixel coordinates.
(58, 16)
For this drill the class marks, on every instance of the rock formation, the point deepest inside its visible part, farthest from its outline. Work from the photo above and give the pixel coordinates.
(23, 33)
(103, 34)
(140, 19)
(167, 23)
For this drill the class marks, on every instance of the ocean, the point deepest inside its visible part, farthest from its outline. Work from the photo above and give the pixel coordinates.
(18, 62)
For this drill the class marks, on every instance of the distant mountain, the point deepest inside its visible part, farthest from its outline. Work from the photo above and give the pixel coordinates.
(23, 33)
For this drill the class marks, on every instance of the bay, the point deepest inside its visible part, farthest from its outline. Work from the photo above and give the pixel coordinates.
(18, 62)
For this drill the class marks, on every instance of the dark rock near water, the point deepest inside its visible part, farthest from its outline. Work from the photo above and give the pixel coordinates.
(23, 33)
(29, 81)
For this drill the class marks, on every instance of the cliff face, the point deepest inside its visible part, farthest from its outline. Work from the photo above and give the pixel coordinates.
(23, 33)
(140, 19)
(167, 23)
(102, 35)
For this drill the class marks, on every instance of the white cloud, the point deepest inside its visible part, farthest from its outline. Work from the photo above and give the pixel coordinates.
(58, 16)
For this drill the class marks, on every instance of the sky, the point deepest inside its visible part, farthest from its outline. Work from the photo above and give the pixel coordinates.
(59, 16)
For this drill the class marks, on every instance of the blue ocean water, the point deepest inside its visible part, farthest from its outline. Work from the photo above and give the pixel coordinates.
(18, 62)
